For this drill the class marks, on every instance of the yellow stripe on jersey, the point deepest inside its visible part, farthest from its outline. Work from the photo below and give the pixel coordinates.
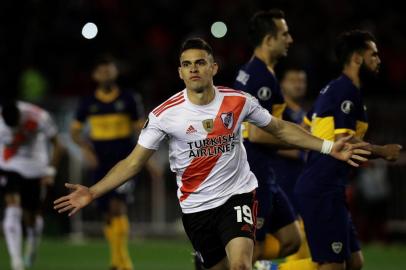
(323, 127)
(107, 97)
(361, 129)
(277, 110)
(110, 126)
(344, 130)
(307, 121)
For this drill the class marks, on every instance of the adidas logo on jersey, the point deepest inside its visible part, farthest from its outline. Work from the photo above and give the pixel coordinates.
(190, 130)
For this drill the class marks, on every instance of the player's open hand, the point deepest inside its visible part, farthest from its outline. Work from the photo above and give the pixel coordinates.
(79, 198)
(352, 153)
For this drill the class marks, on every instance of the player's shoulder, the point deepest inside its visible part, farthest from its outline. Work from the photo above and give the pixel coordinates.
(169, 104)
(31, 109)
(339, 88)
(228, 91)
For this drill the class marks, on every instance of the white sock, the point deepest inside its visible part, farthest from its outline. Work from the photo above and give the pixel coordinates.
(32, 240)
(13, 233)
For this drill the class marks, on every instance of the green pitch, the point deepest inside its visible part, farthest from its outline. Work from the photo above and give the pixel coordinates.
(164, 254)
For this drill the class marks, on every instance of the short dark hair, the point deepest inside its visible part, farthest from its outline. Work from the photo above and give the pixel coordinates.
(10, 112)
(350, 42)
(291, 68)
(262, 24)
(104, 60)
(195, 43)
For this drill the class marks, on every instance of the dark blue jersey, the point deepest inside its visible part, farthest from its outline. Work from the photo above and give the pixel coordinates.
(256, 79)
(339, 109)
(288, 170)
(110, 119)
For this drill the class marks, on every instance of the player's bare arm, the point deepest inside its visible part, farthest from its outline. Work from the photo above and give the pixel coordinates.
(76, 130)
(389, 152)
(121, 172)
(297, 136)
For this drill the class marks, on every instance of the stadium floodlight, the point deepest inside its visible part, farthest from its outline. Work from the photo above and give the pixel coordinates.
(89, 30)
(219, 29)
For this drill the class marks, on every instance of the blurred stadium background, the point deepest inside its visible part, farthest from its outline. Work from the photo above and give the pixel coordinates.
(47, 60)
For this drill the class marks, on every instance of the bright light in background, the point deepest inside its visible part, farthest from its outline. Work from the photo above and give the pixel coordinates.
(89, 30)
(218, 29)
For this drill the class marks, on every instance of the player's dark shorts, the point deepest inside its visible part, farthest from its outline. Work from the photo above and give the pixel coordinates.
(211, 230)
(274, 208)
(329, 229)
(28, 189)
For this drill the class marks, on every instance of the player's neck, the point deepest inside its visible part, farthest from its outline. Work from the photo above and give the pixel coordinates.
(107, 88)
(201, 97)
(293, 104)
(266, 57)
(353, 73)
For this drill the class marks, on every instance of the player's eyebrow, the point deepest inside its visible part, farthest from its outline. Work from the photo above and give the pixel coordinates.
(195, 61)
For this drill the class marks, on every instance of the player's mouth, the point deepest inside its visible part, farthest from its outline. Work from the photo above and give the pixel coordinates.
(195, 78)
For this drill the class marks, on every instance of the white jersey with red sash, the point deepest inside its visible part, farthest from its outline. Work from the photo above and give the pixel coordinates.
(24, 149)
(205, 145)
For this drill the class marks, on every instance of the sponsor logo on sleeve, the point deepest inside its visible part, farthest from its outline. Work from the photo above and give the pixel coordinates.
(264, 93)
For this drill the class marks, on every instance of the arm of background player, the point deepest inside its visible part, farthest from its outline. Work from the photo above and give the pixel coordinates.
(389, 152)
(120, 173)
(90, 157)
(56, 154)
(295, 135)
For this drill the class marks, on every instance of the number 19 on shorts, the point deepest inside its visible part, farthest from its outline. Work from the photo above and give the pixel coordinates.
(244, 213)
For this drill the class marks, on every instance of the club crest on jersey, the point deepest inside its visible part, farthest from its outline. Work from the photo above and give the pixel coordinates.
(347, 106)
(228, 119)
(337, 247)
(208, 125)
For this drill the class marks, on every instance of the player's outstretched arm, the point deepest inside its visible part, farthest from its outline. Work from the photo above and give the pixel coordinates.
(389, 152)
(297, 136)
(81, 196)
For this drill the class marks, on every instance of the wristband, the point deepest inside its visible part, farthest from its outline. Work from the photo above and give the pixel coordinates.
(326, 147)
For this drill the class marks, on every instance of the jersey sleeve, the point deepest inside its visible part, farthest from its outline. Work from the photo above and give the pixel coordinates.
(47, 125)
(256, 114)
(152, 133)
(344, 113)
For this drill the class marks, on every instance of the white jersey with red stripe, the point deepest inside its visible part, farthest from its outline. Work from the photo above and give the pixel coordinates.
(24, 149)
(205, 145)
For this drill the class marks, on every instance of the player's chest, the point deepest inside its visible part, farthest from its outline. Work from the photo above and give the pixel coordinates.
(199, 125)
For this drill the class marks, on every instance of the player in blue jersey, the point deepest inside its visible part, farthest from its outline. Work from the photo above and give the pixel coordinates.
(113, 116)
(338, 111)
(277, 232)
(293, 86)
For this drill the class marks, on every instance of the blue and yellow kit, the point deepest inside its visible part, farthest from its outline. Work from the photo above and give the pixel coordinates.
(274, 209)
(320, 190)
(110, 119)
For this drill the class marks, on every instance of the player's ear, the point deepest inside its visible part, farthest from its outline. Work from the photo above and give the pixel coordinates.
(268, 40)
(180, 73)
(357, 58)
(215, 68)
